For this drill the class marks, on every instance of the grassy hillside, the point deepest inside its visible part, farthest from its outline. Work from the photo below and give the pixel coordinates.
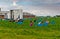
(12, 30)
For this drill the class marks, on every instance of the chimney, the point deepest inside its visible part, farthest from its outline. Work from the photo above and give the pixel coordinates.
(11, 14)
(0, 9)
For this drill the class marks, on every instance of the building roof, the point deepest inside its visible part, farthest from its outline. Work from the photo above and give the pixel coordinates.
(26, 13)
(3, 12)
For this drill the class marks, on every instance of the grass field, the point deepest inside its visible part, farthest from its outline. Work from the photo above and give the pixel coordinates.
(12, 30)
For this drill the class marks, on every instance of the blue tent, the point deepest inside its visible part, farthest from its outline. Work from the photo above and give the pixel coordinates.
(19, 22)
(40, 24)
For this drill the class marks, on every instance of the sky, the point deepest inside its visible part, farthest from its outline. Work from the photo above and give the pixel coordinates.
(36, 7)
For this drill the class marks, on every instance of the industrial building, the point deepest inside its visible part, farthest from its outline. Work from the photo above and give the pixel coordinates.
(28, 15)
(12, 14)
(15, 14)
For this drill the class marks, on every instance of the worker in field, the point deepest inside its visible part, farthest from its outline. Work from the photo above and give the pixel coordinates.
(35, 22)
(31, 23)
(39, 23)
(46, 23)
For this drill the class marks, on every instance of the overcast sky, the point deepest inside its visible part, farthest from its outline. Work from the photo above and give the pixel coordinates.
(37, 7)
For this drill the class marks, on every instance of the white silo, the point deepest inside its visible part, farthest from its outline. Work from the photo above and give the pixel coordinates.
(21, 13)
(18, 14)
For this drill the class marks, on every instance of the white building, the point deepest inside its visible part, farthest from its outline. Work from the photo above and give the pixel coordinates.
(16, 14)
(12, 14)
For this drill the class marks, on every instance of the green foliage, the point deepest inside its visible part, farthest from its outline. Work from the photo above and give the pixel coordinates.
(12, 30)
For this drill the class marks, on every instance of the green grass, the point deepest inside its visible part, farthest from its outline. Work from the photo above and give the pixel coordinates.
(12, 30)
